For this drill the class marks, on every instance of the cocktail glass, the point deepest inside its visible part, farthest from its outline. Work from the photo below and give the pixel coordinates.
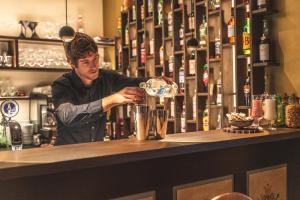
(270, 110)
(256, 110)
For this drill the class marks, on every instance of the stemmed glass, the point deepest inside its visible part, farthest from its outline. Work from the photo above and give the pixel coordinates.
(270, 114)
(24, 25)
(256, 110)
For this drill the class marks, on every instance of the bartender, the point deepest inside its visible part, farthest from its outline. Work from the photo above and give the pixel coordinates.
(82, 96)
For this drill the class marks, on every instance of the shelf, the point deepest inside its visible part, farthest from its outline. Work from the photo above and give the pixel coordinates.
(149, 18)
(202, 49)
(133, 59)
(227, 45)
(158, 66)
(141, 68)
(214, 12)
(150, 57)
(168, 38)
(34, 69)
(263, 11)
(215, 60)
(142, 30)
(200, 3)
(202, 94)
(179, 52)
(190, 77)
(171, 120)
(190, 34)
(264, 64)
(191, 121)
(158, 26)
(215, 106)
(126, 47)
(244, 107)
(242, 56)
(241, 5)
(133, 23)
(15, 98)
(178, 10)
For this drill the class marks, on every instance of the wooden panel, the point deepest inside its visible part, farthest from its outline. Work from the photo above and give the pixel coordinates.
(268, 183)
(204, 190)
(142, 196)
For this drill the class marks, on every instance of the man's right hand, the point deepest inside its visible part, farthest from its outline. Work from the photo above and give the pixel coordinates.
(124, 96)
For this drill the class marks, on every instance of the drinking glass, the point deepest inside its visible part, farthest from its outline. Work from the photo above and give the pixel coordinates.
(270, 114)
(256, 111)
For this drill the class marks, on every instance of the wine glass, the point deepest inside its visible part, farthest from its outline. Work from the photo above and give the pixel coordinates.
(256, 110)
(270, 114)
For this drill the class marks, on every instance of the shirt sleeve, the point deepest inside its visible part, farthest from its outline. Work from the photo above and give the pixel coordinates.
(121, 81)
(74, 115)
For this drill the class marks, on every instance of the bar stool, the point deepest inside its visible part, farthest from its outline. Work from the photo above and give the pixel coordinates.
(232, 196)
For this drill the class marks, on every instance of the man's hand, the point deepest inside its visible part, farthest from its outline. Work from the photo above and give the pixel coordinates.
(124, 96)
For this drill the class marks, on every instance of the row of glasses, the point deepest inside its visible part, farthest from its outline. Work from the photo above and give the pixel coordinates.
(43, 58)
(264, 107)
(7, 89)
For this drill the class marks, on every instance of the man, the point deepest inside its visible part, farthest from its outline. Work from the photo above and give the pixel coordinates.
(82, 96)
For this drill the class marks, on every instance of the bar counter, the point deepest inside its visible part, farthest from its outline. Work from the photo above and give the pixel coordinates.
(106, 170)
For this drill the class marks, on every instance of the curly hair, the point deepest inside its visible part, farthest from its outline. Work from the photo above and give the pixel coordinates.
(79, 47)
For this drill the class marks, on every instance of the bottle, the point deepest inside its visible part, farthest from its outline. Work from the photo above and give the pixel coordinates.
(218, 46)
(172, 108)
(214, 4)
(146, 41)
(80, 27)
(219, 120)
(143, 51)
(264, 45)
(205, 120)
(150, 7)
(126, 35)
(262, 4)
(181, 76)
(160, 12)
(192, 63)
(231, 27)
(182, 120)
(219, 89)
(161, 55)
(142, 12)
(247, 84)
(134, 47)
(181, 36)
(120, 57)
(195, 105)
(170, 24)
(157, 87)
(128, 71)
(171, 66)
(119, 28)
(246, 32)
(125, 4)
(203, 33)
(205, 79)
(152, 46)
(192, 17)
(133, 12)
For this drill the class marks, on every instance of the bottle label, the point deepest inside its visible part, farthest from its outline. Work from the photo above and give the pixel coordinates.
(192, 66)
(161, 57)
(218, 48)
(171, 66)
(264, 52)
(191, 23)
(230, 31)
(205, 124)
(172, 112)
(181, 42)
(152, 47)
(219, 99)
(143, 56)
(205, 78)
(247, 89)
(181, 77)
(246, 40)
(194, 108)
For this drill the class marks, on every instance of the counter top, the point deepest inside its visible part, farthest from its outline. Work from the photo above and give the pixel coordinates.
(40, 161)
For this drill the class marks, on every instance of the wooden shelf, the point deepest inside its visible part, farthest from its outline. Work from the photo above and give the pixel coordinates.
(168, 38)
(34, 69)
(191, 121)
(133, 59)
(149, 18)
(263, 11)
(158, 26)
(202, 94)
(215, 107)
(142, 30)
(150, 57)
(242, 56)
(15, 98)
(215, 60)
(179, 52)
(158, 66)
(202, 49)
(241, 5)
(214, 12)
(141, 68)
(133, 23)
(190, 34)
(190, 77)
(264, 64)
(244, 107)
(227, 45)
(200, 3)
(171, 120)
(177, 10)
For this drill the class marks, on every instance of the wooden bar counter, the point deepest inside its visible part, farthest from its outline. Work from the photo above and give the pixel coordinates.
(186, 166)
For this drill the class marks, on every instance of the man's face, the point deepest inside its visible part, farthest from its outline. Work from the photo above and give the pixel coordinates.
(87, 68)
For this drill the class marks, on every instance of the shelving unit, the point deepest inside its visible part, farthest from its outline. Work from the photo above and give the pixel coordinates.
(231, 63)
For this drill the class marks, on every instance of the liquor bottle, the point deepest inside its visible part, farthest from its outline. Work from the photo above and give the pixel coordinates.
(133, 12)
(195, 105)
(219, 89)
(151, 46)
(231, 27)
(80, 27)
(160, 12)
(146, 42)
(171, 66)
(203, 32)
(126, 35)
(264, 46)
(192, 63)
(161, 55)
(218, 46)
(150, 7)
(219, 120)
(134, 47)
(142, 12)
(158, 87)
(170, 23)
(262, 4)
(120, 57)
(205, 77)
(192, 17)
(214, 4)
(181, 76)
(246, 32)
(247, 85)
(143, 52)
(182, 119)
(172, 108)
(181, 36)
(205, 120)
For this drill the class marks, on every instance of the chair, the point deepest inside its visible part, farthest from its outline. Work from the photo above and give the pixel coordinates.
(232, 196)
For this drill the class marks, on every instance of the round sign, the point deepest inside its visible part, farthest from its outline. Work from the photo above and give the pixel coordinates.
(9, 108)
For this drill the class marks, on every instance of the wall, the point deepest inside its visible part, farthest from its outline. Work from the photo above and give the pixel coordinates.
(286, 28)
(43, 11)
